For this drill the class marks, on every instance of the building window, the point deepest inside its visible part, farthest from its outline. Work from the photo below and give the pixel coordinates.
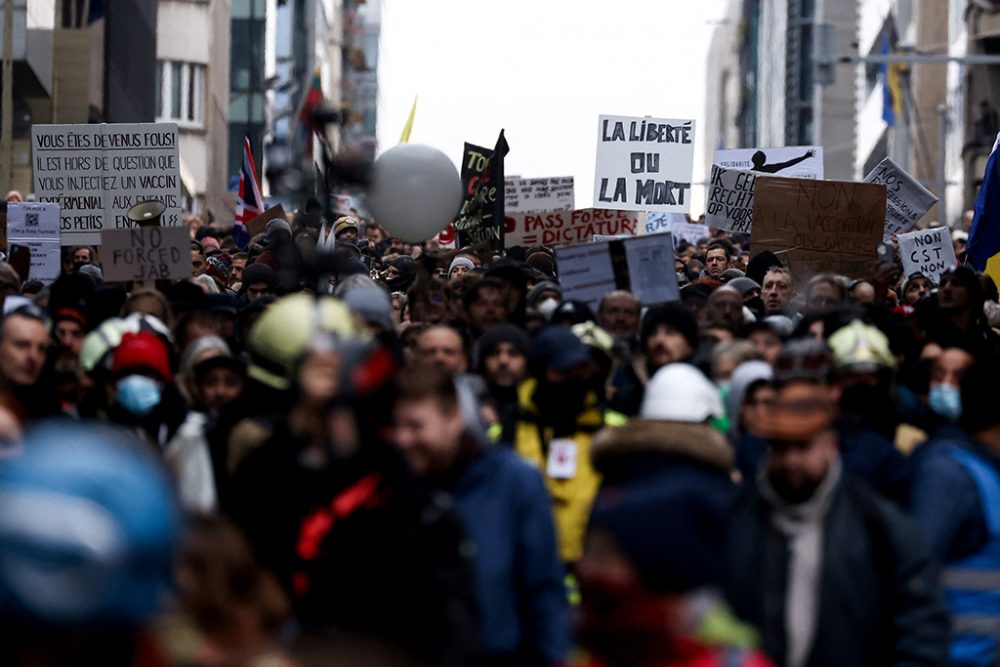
(181, 93)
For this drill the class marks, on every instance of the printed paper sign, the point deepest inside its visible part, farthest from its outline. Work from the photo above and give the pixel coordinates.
(37, 227)
(644, 164)
(643, 265)
(568, 227)
(906, 200)
(652, 277)
(524, 195)
(96, 173)
(663, 222)
(927, 251)
(792, 161)
(146, 253)
(817, 226)
(678, 226)
(585, 272)
(730, 199)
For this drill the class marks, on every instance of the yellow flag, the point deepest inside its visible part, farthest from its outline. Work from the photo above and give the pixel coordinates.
(993, 269)
(409, 124)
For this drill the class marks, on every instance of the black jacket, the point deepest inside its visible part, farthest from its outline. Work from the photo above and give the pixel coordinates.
(880, 601)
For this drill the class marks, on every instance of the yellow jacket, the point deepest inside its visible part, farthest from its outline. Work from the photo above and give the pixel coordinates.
(572, 497)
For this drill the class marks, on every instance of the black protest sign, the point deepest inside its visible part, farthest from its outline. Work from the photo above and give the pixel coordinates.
(481, 218)
(146, 253)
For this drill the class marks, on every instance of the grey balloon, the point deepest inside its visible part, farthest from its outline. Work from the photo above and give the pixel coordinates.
(415, 191)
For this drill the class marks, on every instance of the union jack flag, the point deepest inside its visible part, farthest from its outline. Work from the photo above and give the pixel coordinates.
(250, 203)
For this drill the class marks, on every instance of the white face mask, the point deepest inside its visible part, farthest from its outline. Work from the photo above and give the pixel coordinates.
(547, 307)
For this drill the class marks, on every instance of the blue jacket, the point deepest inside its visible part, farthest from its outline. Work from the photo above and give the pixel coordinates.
(519, 578)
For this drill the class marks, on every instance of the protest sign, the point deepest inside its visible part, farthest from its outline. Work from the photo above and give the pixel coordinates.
(816, 226)
(36, 226)
(663, 222)
(259, 224)
(906, 199)
(792, 161)
(643, 265)
(96, 173)
(644, 164)
(523, 195)
(928, 251)
(146, 253)
(568, 227)
(730, 199)
(481, 218)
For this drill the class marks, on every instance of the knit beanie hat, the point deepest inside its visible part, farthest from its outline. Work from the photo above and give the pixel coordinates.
(673, 315)
(502, 333)
(460, 261)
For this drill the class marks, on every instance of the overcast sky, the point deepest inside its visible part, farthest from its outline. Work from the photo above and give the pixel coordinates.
(543, 70)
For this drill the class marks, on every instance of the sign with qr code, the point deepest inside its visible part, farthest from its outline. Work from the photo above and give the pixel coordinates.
(36, 226)
(96, 173)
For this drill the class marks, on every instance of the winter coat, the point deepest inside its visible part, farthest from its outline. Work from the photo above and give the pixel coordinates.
(880, 603)
(519, 579)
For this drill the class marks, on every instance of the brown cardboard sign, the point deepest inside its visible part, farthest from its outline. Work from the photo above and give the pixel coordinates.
(818, 226)
(258, 224)
(146, 253)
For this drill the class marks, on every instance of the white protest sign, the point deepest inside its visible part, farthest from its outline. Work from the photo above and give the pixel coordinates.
(927, 251)
(609, 237)
(522, 195)
(678, 226)
(650, 260)
(729, 204)
(644, 164)
(906, 199)
(792, 161)
(663, 222)
(585, 272)
(567, 227)
(146, 253)
(96, 173)
(37, 227)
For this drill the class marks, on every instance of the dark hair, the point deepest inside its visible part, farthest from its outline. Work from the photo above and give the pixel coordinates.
(420, 383)
(979, 396)
(724, 244)
(471, 295)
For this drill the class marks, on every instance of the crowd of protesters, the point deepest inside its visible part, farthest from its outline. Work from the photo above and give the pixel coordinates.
(336, 448)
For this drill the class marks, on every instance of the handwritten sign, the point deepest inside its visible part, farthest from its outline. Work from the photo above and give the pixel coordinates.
(928, 251)
(146, 253)
(792, 161)
(481, 218)
(907, 200)
(37, 227)
(730, 199)
(523, 195)
(568, 227)
(96, 173)
(643, 265)
(816, 226)
(644, 164)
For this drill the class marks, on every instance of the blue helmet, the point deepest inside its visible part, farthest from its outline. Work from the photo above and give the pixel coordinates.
(88, 528)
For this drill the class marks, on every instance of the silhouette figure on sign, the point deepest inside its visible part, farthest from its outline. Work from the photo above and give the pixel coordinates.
(759, 162)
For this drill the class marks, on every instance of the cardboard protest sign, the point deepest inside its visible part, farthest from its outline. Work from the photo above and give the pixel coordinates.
(928, 251)
(481, 218)
(791, 161)
(146, 253)
(568, 227)
(523, 195)
(907, 200)
(643, 265)
(729, 204)
(644, 164)
(96, 173)
(259, 224)
(36, 226)
(817, 226)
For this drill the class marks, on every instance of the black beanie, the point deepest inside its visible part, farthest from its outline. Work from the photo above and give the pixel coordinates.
(503, 333)
(758, 265)
(673, 315)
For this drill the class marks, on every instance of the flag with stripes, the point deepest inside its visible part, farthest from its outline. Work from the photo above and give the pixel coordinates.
(250, 203)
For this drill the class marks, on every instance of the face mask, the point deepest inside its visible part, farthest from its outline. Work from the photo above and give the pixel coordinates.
(138, 394)
(946, 401)
(547, 307)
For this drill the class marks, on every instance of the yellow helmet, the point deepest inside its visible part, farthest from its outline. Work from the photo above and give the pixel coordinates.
(287, 329)
(861, 348)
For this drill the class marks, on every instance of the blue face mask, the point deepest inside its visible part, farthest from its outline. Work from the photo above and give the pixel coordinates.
(138, 394)
(946, 401)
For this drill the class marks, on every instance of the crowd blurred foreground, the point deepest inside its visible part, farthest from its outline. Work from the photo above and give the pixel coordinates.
(332, 446)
